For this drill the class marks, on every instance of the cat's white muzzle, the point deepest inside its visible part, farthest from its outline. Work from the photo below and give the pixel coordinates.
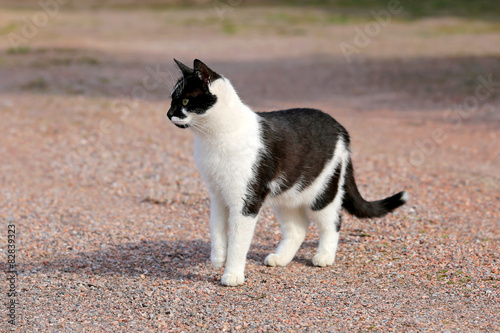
(179, 121)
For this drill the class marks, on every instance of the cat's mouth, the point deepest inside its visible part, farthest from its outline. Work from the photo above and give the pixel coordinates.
(181, 123)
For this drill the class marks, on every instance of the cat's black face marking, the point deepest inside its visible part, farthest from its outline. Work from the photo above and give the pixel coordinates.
(191, 88)
(191, 94)
(296, 141)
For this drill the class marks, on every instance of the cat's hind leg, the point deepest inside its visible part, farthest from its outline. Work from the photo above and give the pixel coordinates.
(294, 223)
(328, 222)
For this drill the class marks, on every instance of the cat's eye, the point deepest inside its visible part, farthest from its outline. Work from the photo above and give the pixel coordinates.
(185, 101)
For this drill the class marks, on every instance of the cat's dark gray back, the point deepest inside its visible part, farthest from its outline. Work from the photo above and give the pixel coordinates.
(298, 144)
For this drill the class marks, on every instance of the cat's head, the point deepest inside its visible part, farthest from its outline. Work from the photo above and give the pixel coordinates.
(191, 96)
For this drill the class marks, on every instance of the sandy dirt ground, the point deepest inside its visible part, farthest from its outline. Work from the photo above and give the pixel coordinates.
(111, 215)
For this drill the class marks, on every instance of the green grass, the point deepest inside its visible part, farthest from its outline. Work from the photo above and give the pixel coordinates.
(6, 29)
(466, 279)
(19, 50)
(412, 8)
(229, 28)
(309, 17)
(47, 61)
(468, 28)
(415, 9)
(85, 60)
(441, 274)
(36, 84)
(282, 22)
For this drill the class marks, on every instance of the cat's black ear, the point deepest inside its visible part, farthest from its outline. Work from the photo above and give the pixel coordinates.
(186, 71)
(204, 73)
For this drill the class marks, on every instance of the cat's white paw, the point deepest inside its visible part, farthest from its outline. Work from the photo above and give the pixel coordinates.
(218, 261)
(274, 260)
(232, 280)
(323, 260)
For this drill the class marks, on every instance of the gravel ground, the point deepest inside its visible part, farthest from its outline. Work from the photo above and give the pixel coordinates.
(111, 215)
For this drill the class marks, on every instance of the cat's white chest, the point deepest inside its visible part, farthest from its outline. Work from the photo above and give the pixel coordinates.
(226, 164)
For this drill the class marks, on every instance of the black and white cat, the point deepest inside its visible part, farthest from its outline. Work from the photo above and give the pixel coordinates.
(297, 160)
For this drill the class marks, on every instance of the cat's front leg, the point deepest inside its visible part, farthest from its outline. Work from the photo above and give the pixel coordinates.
(219, 215)
(241, 229)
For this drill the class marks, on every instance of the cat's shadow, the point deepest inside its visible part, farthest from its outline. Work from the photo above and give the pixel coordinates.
(171, 260)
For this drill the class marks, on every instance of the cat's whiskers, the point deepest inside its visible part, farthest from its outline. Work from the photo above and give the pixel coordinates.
(196, 127)
(201, 127)
(200, 124)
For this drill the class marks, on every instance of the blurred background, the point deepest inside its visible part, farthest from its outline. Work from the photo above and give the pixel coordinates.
(110, 59)
(424, 54)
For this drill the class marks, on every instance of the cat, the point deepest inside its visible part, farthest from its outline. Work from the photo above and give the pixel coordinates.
(297, 160)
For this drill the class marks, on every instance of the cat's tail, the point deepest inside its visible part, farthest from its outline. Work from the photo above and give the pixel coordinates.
(359, 207)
